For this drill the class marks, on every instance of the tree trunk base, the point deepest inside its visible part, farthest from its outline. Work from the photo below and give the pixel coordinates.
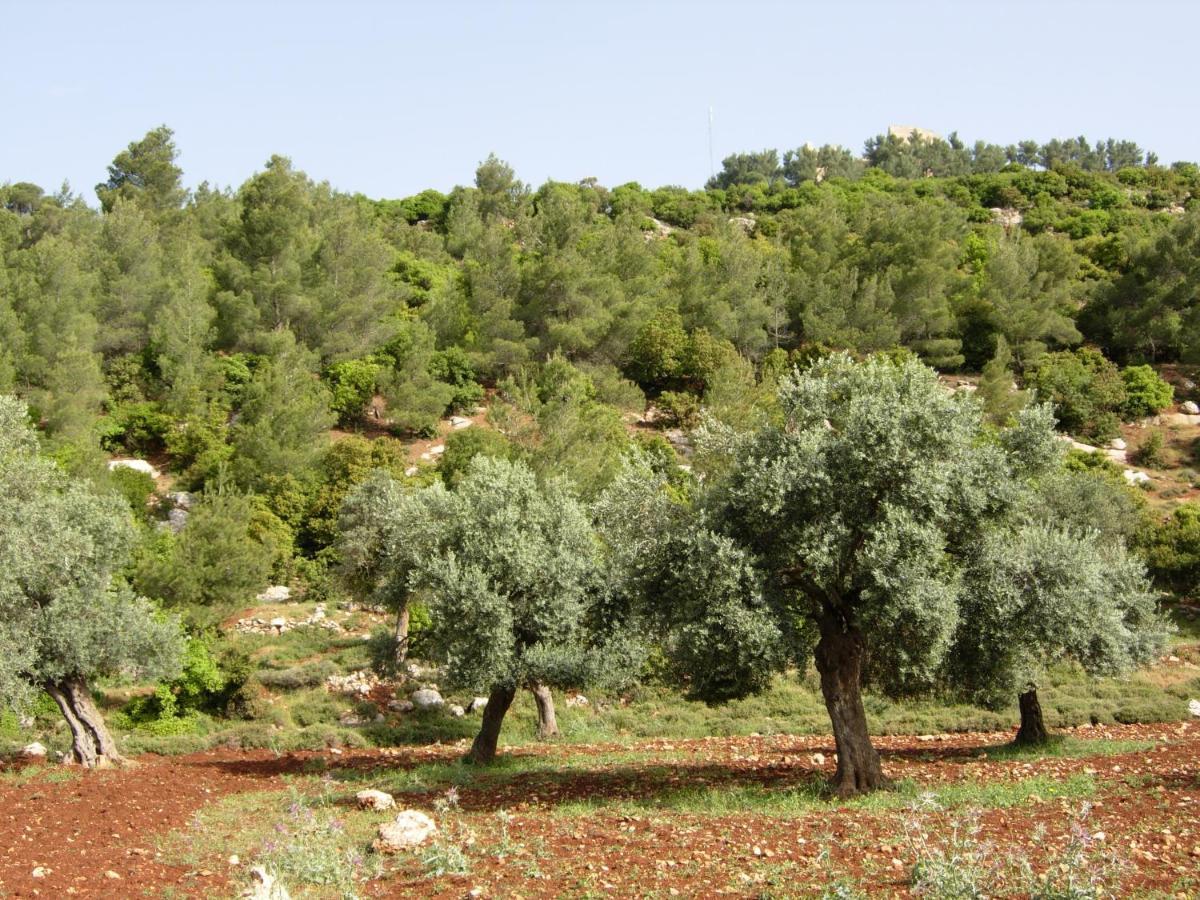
(483, 748)
(547, 723)
(92, 745)
(1032, 732)
(839, 656)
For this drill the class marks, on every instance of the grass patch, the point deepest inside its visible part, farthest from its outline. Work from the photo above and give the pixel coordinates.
(1067, 747)
(813, 796)
(39, 774)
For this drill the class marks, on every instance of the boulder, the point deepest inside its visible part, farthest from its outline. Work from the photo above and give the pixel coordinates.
(177, 518)
(1194, 708)
(745, 223)
(276, 593)
(373, 799)
(437, 449)
(455, 710)
(577, 700)
(33, 751)
(181, 499)
(460, 422)
(477, 705)
(1117, 444)
(1135, 477)
(410, 829)
(426, 699)
(411, 471)
(401, 705)
(1189, 407)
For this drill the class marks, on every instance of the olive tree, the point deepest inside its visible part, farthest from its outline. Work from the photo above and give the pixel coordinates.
(867, 511)
(510, 570)
(64, 612)
(1041, 593)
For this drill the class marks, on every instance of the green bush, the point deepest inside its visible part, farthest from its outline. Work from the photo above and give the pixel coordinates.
(1173, 554)
(1150, 451)
(463, 446)
(297, 677)
(680, 409)
(1146, 394)
(134, 486)
(1086, 389)
(352, 384)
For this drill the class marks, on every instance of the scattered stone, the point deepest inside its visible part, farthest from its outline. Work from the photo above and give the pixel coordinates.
(477, 705)
(1007, 217)
(181, 499)
(1135, 477)
(138, 465)
(577, 700)
(818, 759)
(1117, 444)
(276, 593)
(411, 471)
(401, 705)
(33, 751)
(426, 699)
(746, 223)
(1194, 708)
(177, 518)
(455, 710)
(235, 860)
(437, 450)
(112, 876)
(373, 799)
(40, 872)
(279, 623)
(460, 422)
(265, 886)
(1189, 407)
(361, 682)
(410, 829)
(427, 456)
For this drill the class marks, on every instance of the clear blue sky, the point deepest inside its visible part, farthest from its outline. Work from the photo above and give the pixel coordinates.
(391, 98)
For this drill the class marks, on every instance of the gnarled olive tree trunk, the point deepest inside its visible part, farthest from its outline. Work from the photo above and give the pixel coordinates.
(483, 749)
(92, 744)
(839, 658)
(1033, 731)
(547, 724)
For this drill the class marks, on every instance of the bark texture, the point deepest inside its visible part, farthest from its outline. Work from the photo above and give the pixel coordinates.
(839, 658)
(547, 723)
(483, 749)
(402, 620)
(1033, 727)
(91, 743)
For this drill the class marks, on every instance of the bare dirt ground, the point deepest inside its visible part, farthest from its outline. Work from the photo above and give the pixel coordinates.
(587, 829)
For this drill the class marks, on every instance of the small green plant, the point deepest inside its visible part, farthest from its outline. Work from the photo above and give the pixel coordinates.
(446, 854)
(1150, 452)
(310, 846)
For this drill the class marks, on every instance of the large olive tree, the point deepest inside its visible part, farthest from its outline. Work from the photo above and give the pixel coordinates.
(65, 616)
(872, 512)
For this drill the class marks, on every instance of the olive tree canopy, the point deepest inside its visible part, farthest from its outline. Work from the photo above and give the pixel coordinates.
(64, 613)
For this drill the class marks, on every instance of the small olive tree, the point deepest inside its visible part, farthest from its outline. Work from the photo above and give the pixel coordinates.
(510, 569)
(1038, 594)
(65, 617)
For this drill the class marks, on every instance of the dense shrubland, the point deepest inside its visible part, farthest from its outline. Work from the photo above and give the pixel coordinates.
(274, 349)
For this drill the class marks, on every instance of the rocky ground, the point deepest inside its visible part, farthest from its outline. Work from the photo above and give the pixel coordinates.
(695, 818)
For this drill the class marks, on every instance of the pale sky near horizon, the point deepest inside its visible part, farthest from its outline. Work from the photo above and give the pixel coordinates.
(392, 98)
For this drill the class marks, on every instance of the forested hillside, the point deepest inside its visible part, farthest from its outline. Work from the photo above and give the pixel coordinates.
(248, 358)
